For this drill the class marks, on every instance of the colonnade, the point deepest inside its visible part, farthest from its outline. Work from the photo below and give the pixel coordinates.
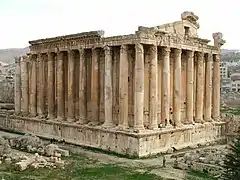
(66, 86)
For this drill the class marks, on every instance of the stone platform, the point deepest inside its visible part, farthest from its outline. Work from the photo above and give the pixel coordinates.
(141, 144)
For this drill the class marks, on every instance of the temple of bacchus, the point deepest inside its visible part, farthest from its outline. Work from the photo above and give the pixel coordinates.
(138, 94)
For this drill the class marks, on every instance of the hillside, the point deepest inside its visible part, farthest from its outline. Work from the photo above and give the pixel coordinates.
(7, 55)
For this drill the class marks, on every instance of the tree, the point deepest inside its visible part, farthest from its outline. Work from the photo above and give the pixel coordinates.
(232, 161)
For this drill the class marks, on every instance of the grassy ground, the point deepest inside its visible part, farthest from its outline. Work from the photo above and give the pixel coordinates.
(234, 111)
(78, 168)
(83, 168)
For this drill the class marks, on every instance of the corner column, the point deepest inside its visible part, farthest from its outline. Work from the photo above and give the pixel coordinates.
(25, 87)
(60, 87)
(71, 70)
(166, 86)
(33, 88)
(190, 79)
(108, 87)
(51, 86)
(123, 88)
(200, 88)
(138, 87)
(216, 87)
(208, 90)
(17, 94)
(177, 88)
(153, 88)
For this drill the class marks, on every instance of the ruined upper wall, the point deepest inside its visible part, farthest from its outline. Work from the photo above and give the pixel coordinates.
(180, 34)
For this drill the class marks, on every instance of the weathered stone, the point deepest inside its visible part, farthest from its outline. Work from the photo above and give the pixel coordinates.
(131, 84)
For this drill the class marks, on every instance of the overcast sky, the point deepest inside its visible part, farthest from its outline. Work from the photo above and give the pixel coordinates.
(24, 20)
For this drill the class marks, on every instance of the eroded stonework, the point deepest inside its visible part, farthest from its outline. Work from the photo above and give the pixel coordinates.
(137, 94)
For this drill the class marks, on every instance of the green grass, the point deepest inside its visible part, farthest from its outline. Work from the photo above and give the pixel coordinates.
(78, 168)
(234, 111)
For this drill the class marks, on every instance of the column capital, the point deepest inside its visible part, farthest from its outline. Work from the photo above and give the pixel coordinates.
(190, 54)
(123, 48)
(107, 50)
(166, 50)
(153, 48)
(216, 58)
(17, 59)
(208, 57)
(81, 51)
(200, 54)
(139, 48)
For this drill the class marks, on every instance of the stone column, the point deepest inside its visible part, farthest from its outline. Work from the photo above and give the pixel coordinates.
(82, 88)
(177, 88)
(71, 70)
(216, 87)
(123, 87)
(51, 86)
(138, 87)
(108, 87)
(153, 78)
(95, 87)
(33, 90)
(17, 86)
(190, 89)
(208, 86)
(200, 88)
(60, 87)
(166, 86)
(41, 86)
(25, 86)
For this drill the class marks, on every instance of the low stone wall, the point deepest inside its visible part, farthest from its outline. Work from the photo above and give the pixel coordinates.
(142, 144)
(6, 90)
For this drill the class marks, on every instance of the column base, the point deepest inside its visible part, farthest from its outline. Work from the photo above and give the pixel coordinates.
(217, 119)
(138, 128)
(93, 123)
(178, 125)
(50, 116)
(154, 127)
(70, 119)
(122, 127)
(107, 125)
(199, 121)
(208, 120)
(60, 118)
(82, 121)
(190, 122)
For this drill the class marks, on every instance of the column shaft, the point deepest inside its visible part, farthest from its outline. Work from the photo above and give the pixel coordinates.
(166, 86)
(33, 90)
(51, 86)
(208, 90)
(41, 73)
(123, 87)
(216, 87)
(138, 87)
(71, 70)
(82, 88)
(200, 88)
(17, 85)
(190, 89)
(25, 87)
(95, 87)
(108, 87)
(177, 88)
(153, 78)
(60, 87)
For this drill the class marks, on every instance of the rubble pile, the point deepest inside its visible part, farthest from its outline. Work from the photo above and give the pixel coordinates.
(207, 160)
(45, 155)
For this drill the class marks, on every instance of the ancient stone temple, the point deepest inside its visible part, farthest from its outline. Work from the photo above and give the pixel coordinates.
(138, 94)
